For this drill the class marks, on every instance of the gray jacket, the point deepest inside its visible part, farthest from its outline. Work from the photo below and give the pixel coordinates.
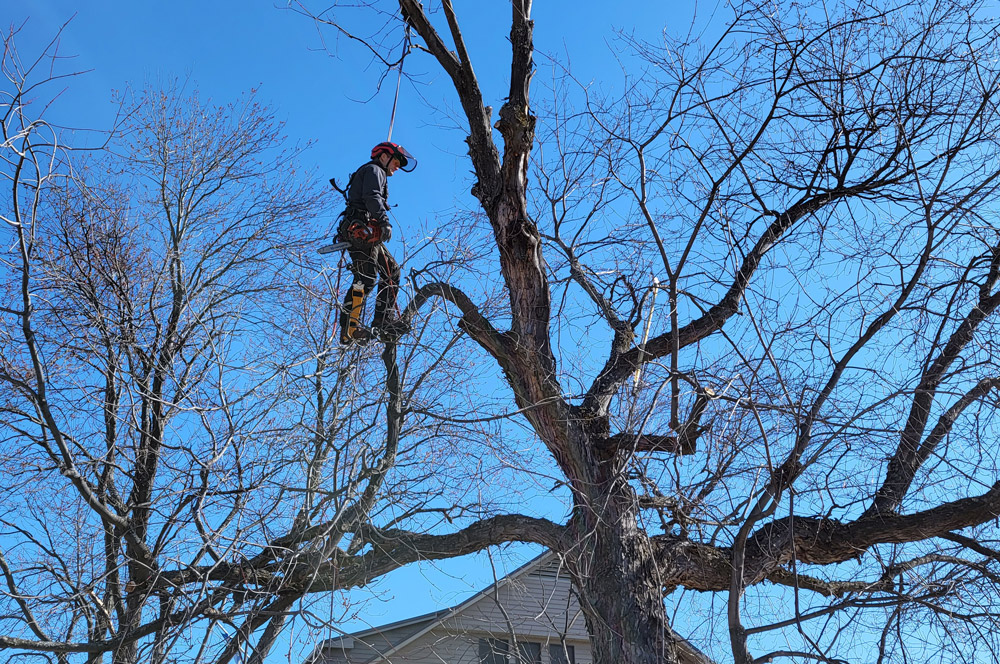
(368, 191)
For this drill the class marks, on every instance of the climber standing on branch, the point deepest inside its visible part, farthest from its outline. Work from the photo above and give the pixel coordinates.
(365, 226)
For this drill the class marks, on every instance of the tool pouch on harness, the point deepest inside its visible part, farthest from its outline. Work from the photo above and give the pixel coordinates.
(359, 229)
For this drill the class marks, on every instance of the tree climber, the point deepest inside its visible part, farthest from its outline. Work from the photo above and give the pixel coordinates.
(365, 226)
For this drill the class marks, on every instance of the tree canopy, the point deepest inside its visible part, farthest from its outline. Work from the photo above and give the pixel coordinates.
(735, 321)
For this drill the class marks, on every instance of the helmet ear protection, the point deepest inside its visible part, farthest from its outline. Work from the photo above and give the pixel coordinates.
(395, 151)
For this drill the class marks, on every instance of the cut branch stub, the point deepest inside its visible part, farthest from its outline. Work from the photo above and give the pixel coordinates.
(645, 443)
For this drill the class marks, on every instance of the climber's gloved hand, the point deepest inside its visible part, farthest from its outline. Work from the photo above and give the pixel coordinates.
(385, 232)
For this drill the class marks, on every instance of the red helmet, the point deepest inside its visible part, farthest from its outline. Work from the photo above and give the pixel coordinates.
(395, 151)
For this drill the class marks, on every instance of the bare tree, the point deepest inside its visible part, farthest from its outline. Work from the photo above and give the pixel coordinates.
(794, 421)
(813, 186)
(172, 425)
(186, 457)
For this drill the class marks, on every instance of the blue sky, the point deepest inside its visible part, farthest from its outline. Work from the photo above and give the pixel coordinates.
(322, 87)
(319, 87)
(328, 97)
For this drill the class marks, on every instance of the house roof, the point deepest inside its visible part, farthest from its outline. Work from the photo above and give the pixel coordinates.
(433, 619)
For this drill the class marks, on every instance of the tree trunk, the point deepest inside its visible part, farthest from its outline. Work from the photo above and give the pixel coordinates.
(621, 600)
(616, 575)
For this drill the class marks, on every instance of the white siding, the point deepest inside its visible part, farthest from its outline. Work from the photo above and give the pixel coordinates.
(538, 604)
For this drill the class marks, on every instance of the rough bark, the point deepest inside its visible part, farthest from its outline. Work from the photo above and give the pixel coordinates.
(620, 570)
(613, 563)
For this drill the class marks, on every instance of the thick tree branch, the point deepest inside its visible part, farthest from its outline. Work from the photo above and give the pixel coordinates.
(477, 326)
(633, 442)
(815, 541)
(482, 150)
(620, 367)
(394, 548)
(910, 454)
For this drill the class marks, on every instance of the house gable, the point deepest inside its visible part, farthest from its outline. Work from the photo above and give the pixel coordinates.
(535, 601)
(535, 604)
(369, 645)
